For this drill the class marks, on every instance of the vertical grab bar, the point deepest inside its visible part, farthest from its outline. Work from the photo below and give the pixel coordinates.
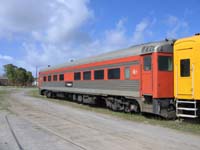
(193, 81)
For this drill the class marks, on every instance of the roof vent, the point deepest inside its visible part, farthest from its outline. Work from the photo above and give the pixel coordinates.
(197, 34)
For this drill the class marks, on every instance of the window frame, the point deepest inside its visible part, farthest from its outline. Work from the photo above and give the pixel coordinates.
(49, 78)
(44, 78)
(95, 71)
(79, 76)
(169, 70)
(61, 75)
(129, 75)
(144, 65)
(55, 79)
(185, 74)
(85, 77)
(112, 76)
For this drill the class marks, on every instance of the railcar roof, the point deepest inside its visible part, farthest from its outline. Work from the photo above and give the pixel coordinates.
(162, 46)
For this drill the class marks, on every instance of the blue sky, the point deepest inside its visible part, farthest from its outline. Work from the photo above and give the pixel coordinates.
(48, 32)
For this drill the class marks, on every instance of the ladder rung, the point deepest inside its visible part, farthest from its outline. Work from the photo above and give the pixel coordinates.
(188, 109)
(188, 116)
(189, 102)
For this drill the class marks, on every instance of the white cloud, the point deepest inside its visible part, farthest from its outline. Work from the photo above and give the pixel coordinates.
(24, 16)
(116, 37)
(48, 20)
(176, 26)
(5, 58)
(142, 30)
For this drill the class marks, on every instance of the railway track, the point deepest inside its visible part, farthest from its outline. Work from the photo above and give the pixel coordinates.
(13, 133)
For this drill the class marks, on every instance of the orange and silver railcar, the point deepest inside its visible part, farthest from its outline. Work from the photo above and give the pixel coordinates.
(136, 79)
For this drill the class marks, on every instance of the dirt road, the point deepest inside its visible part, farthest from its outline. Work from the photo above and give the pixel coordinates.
(38, 124)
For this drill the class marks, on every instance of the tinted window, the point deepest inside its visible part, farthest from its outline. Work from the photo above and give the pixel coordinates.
(44, 79)
(127, 73)
(147, 63)
(77, 76)
(185, 67)
(114, 73)
(87, 75)
(61, 77)
(54, 77)
(165, 63)
(99, 74)
(49, 78)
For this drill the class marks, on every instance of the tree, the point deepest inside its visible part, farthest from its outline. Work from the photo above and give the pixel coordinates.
(30, 78)
(10, 71)
(18, 76)
(21, 77)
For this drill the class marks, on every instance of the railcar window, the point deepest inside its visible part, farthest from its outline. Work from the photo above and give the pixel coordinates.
(127, 73)
(55, 78)
(49, 78)
(114, 73)
(87, 75)
(165, 63)
(99, 74)
(45, 79)
(185, 67)
(147, 63)
(77, 76)
(61, 77)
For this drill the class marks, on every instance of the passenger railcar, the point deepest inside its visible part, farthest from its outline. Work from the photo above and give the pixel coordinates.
(136, 79)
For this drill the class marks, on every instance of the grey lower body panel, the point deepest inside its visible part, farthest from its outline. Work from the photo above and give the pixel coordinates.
(93, 91)
(97, 87)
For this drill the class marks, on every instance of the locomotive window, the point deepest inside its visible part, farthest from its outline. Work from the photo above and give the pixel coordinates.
(49, 78)
(185, 67)
(147, 63)
(87, 75)
(127, 73)
(55, 77)
(77, 76)
(44, 79)
(114, 73)
(98, 74)
(165, 63)
(61, 77)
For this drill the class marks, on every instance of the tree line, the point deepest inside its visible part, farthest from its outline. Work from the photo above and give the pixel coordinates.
(18, 76)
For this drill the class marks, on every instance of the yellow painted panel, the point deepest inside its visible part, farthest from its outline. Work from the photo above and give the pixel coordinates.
(187, 87)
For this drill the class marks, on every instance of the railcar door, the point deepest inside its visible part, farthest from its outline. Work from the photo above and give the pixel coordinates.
(184, 74)
(147, 75)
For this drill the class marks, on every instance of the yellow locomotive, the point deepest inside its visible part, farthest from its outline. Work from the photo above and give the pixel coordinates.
(187, 76)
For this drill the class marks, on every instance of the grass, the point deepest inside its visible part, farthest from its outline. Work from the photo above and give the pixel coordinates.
(190, 126)
(3, 99)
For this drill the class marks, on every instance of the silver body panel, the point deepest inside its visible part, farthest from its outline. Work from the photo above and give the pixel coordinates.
(101, 87)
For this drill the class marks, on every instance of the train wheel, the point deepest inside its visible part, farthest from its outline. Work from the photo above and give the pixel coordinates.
(80, 99)
(132, 107)
(49, 94)
(114, 106)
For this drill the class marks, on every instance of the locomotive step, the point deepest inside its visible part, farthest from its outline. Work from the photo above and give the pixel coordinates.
(187, 102)
(188, 116)
(188, 109)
